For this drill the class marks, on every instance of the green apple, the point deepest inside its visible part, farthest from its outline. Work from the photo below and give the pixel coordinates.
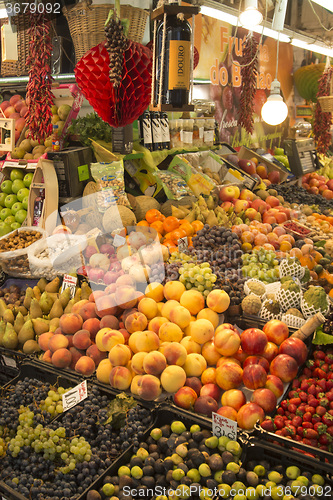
(17, 185)
(22, 194)
(4, 228)
(10, 219)
(16, 207)
(5, 212)
(15, 225)
(10, 200)
(20, 216)
(2, 199)
(16, 174)
(25, 202)
(6, 186)
(28, 179)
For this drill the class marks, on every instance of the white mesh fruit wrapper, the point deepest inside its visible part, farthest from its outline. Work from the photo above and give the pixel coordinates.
(266, 314)
(291, 269)
(288, 299)
(248, 291)
(310, 311)
(273, 287)
(293, 321)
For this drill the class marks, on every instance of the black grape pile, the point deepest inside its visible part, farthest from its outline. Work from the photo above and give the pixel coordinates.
(299, 195)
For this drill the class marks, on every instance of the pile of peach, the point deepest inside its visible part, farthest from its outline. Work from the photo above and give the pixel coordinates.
(258, 235)
(170, 229)
(321, 223)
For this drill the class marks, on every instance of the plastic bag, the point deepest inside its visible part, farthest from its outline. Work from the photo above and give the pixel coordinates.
(109, 178)
(173, 185)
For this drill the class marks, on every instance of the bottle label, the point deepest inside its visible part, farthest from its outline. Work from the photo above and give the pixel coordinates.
(55, 145)
(188, 137)
(156, 129)
(179, 64)
(146, 129)
(209, 136)
(165, 130)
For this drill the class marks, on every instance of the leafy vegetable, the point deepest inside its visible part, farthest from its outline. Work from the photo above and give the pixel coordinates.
(322, 338)
(117, 410)
(89, 127)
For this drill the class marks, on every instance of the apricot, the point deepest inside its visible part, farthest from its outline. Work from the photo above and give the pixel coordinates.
(61, 358)
(137, 362)
(180, 316)
(201, 331)
(212, 316)
(227, 342)
(79, 305)
(174, 353)
(47, 356)
(87, 310)
(43, 340)
(155, 323)
(103, 371)
(136, 322)
(149, 387)
(155, 291)
(134, 385)
(107, 338)
(147, 341)
(218, 301)
(76, 355)
(81, 339)
(190, 345)
(170, 332)
(154, 363)
(148, 307)
(173, 378)
(173, 290)
(106, 305)
(120, 378)
(94, 353)
(70, 323)
(85, 366)
(132, 341)
(57, 341)
(194, 365)
(208, 376)
(193, 301)
(229, 376)
(210, 353)
(120, 355)
(167, 308)
(125, 297)
(109, 321)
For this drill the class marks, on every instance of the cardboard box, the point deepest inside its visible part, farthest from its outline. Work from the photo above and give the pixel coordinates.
(68, 94)
(72, 166)
(9, 165)
(248, 154)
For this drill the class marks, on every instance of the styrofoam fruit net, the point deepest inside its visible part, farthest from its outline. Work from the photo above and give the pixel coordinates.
(273, 287)
(288, 299)
(292, 321)
(293, 269)
(248, 290)
(310, 311)
(266, 314)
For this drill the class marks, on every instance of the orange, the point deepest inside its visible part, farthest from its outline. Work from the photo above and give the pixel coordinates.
(255, 160)
(170, 246)
(331, 293)
(177, 233)
(285, 246)
(246, 247)
(197, 225)
(158, 225)
(295, 252)
(190, 241)
(170, 224)
(143, 223)
(168, 237)
(186, 226)
(153, 215)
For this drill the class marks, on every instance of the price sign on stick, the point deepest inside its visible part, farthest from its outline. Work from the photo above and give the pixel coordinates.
(223, 426)
(183, 244)
(69, 282)
(74, 396)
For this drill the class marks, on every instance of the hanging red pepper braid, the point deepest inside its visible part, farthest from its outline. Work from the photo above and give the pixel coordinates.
(249, 63)
(322, 121)
(39, 96)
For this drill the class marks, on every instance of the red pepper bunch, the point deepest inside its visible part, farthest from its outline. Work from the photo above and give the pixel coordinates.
(306, 415)
(249, 73)
(322, 121)
(39, 96)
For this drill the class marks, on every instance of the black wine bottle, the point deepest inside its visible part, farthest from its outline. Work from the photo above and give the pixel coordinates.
(145, 131)
(176, 74)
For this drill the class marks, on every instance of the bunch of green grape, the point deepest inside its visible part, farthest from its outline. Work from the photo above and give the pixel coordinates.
(53, 403)
(180, 257)
(262, 265)
(200, 277)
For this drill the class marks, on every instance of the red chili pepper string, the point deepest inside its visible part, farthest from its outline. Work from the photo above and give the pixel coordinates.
(39, 97)
(249, 73)
(322, 120)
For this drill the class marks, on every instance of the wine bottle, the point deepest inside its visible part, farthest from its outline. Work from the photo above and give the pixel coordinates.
(145, 130)
(165, 130)
(156, 130)
(177, 52)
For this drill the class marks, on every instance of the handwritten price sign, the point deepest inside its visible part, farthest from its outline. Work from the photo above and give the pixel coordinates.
(223, 426)
(75, 396)
(69, 282)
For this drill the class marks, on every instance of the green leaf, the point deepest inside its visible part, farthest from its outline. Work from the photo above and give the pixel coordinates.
(125, 24)
(321, 338)
(117, 410)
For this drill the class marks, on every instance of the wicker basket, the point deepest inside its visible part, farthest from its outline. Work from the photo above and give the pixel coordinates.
(18, 67)
(86, 24)
(326, 102)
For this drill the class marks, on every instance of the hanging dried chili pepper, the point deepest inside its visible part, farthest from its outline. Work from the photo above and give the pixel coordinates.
(322, 120)
(249, 63)
(39, 96)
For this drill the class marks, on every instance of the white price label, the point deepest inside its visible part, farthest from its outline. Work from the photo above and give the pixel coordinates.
(10, 362)
(223, 426)
(118, 240)
(69, 282)
(183, 244)
(75, 396)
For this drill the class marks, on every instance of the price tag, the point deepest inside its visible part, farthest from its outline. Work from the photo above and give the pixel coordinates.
(223, 426)
(118, 240)
(74, 396)
(69, 282)
(10, 362)
(183, 244)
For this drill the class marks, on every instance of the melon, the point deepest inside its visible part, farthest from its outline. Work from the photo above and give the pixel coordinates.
(141, 205)
(63, 111)
(28, 156)
(26, 145)
(117, 217)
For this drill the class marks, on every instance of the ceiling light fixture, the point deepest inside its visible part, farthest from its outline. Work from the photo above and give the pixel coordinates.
(3, 14)
(250, 16)
(326, 51)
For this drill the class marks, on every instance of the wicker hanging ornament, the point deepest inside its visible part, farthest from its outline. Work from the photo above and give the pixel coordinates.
(116, 105)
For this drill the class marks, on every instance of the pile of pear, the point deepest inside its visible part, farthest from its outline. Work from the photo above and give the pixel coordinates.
(43, 305)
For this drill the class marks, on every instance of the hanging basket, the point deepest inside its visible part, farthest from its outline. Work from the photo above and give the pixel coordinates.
(326, 102)
(86, 24)
(18, 68)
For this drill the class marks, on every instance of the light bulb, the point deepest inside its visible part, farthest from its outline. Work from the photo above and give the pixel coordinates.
(275, 110)
(250, 16)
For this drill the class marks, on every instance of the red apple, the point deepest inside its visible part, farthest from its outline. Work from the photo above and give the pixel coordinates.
(211, 390)
(247, 166)
(313, 190)
(205, 405)
(228, 412)
(249, 415)
(259, 205)
(265, 398)
(4, 105)
(185, 398)
(276, 331)
(247, 195)
(328, 194)
(322, 188)
(194, 383)
(240, 355)
(9, 111)
(253, 341)
(295, 348)
(14, 99)
(274, 177)
(275, 384)
(314, 183)
(285, 367)
(227, 193)
(227, 205)
(271, 350)
(14, 116)
(241, 205)
(19, 124)
(256, 360)
(234, 398)
(24, 111)
(254, 376)
(281, 217)
(19, 105)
